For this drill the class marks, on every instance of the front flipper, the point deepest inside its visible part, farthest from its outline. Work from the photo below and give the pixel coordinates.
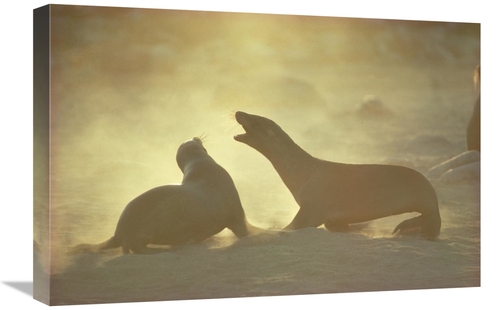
(305, 219)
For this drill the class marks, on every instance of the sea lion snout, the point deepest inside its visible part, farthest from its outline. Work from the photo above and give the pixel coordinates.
(239, 115)
(242, 119)
(253, 124)
(191, 146)
(260, 132)
(194, 140)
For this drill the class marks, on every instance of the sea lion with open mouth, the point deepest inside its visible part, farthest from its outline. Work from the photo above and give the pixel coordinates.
(338, 194)
(201, 206)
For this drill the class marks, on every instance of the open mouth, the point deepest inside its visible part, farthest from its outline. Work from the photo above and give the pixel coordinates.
(240, 118)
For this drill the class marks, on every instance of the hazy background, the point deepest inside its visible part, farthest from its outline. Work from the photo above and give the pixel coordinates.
(128, 86)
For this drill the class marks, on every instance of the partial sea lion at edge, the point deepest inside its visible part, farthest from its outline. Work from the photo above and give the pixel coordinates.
(205, 203)
(338, 194)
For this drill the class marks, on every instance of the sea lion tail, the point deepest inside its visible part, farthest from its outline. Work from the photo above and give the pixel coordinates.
(111, 243)
(428, 226)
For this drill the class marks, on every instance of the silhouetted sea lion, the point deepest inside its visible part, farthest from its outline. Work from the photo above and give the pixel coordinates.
(467, 165)
(201, 206)
(337, 194)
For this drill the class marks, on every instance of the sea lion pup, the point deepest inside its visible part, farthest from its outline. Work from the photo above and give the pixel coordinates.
(201, 206)
(337, 194)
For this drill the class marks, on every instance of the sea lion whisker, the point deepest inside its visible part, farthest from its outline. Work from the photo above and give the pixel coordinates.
(230, 123)
(201, 138)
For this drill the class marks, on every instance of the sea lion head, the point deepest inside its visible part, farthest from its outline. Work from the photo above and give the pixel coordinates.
(260, 133)
(189, 151)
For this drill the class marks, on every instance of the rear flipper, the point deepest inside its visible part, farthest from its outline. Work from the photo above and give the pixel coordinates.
(244, 229)
(336, 226)
(428, 226)
(94, 248)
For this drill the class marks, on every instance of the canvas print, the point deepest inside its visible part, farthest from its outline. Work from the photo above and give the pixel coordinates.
(198, 155)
